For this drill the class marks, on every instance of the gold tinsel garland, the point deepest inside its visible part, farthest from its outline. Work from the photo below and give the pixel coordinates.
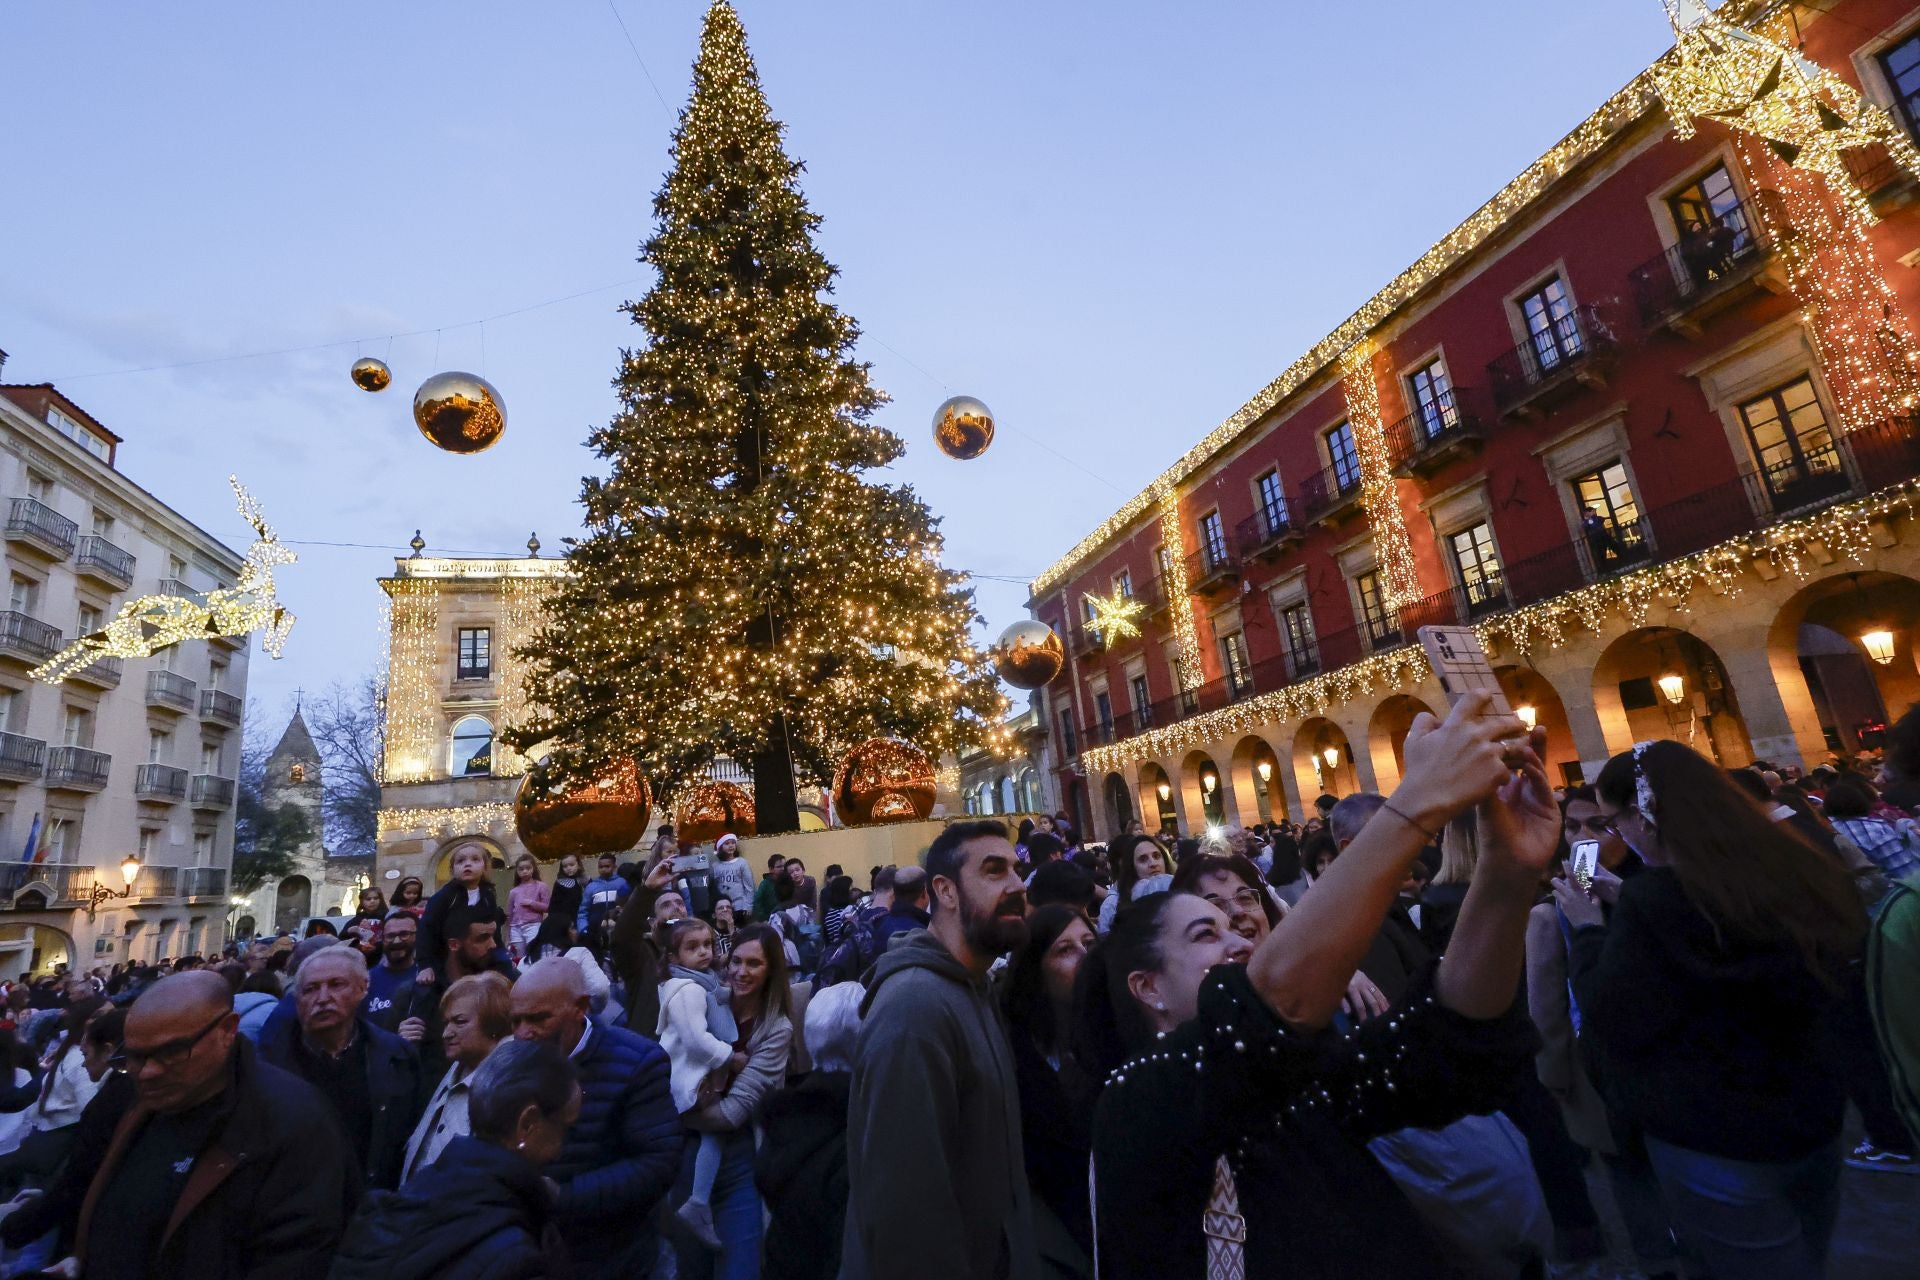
(1844, 530)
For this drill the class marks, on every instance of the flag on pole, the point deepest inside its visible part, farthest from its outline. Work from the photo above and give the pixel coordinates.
(32, 853)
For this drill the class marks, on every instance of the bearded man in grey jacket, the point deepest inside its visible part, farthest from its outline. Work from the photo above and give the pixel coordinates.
(938, 1188)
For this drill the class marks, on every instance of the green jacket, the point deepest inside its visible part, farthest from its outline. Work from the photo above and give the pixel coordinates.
(938, 1186)
(766, 899)
(1893, 975)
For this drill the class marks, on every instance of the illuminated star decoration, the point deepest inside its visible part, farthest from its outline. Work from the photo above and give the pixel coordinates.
(1114, 616)
(152, 623)
(1806, 115)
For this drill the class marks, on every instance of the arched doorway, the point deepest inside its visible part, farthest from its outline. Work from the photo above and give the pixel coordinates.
(292, 903)
(1119, 806)
(1387, 737)
(1323, 760)
(1256, 772)
(1531, 694)
(1657, 682)
(1203, 775)
(27, 949)
(1156, 797)
(244, 928)
(1843, 650)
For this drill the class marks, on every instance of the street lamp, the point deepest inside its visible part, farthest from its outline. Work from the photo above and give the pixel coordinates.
(129, 872)
(1332, 756)
(1165, 789)
(1672, 687)
(1879, 643)
(1209, 781)
(1266, 770)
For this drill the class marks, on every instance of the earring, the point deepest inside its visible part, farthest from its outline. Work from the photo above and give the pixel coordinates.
(1160, 1006)
(519, 1146)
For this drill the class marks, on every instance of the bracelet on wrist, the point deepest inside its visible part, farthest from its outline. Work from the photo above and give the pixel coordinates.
(1430, 836)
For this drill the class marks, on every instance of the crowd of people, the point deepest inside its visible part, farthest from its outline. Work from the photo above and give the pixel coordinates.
(1390, 1041)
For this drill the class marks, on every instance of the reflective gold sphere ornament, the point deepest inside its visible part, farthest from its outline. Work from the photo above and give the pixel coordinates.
(459, 412)
(707, 810)
(371, 375)
(607, 815)
(963, 428)
(1028, 654)
(883, 780)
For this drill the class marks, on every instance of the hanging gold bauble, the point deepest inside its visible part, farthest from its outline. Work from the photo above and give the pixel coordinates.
(1028, 654)
(883, 780)
(963, 428)
(371, 375)
(459, 412)
(708, 810)
(607, 815)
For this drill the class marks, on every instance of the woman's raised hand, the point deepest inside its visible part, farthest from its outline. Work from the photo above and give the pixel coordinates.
(1455, 763)
(1520, 821)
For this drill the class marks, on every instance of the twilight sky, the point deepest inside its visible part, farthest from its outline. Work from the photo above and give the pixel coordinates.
(1113, 222)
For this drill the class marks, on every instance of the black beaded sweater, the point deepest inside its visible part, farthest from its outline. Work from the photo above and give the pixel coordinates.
(1292, 1111)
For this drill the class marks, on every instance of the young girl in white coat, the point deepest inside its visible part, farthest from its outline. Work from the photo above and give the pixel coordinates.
(697, 1030)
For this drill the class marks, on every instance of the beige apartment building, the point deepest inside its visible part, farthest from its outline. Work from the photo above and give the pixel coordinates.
(117, 786)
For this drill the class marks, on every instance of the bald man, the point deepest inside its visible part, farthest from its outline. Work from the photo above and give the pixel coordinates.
(200, 1160)
(623, 1152)
(369, 1075)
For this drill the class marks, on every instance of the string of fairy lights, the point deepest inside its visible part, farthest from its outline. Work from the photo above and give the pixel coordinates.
(1379, 491)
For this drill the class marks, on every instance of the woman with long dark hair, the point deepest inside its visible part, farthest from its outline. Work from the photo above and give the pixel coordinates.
(1054, 1119)
(1137, 861)
(1231, 1130)
(1707, 1000)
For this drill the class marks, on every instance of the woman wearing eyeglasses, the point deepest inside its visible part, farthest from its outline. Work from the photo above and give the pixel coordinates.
(1707, 998)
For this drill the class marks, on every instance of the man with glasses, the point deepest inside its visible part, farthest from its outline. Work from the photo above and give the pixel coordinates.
(198, 1160)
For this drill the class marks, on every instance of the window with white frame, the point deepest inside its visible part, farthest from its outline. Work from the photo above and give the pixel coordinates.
(471, 754)
(1431, 390)
(1553, 328)
(203, 848)
(1123, 583)
(1478, 564)
(1375, 616)
(23, 595)
(77, 730)
(1296, 631)
(1901, 62)
(1343, 459)
(1213, 540)
(1233, 662)
(1273, 503)
(147, 839)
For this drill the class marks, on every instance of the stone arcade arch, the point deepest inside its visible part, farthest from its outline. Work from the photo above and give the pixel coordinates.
(1658, 682)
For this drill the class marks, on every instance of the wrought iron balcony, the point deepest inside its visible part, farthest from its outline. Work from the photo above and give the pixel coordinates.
(26, 638)
(1267, 533)
(77, 769)
(42, 886)
(1710, 270)
(102, 673)
(174, 587)
(152, 882)
(203, 882)
(1212, 570)
(1086, 640)
(221, 707)
(22, 759)
(161, 783)
(104, 563)
(212, 792)
(34, 525)
(1329, 495)
(1574, 353)
(1447, 427)
(168, 691)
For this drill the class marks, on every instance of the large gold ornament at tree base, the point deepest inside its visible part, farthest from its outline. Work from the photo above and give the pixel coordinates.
(607, 815)
(707, 810)
(884, 780)
(369, 374)
(1028, 654)
(459, 412)
(963, 428)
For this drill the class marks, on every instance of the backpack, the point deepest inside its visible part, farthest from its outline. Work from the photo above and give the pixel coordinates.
(803, 936)
(856, 951)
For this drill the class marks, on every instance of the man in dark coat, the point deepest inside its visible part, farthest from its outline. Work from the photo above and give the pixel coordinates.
(201, 1161)
(370, 1076)
(623, 1153)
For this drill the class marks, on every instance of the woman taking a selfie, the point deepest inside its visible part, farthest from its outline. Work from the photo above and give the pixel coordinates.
(1233, 1123)
(1707, 998)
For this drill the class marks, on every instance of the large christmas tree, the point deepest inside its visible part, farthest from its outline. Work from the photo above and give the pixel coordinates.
(741, 591)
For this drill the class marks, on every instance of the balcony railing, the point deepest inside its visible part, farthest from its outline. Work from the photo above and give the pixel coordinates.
(1575, 351)
(1085, 640)
(221, 707)
(1267, 532)
(154, 882)
(77, 769)
(27, 638)
(38, 886)
(174, 587)
(22, 759)
(160, 782)
(1329, 494)
(33, 523)
(1868, 460)
(211, 792)
(103, 562)
(1212, 568)
(1704, 271)
(101, 673)
(1436, 432)
(203, 882)
(169, 691)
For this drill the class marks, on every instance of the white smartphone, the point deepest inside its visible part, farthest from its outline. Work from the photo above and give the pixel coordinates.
(1586, 857)
(1460, 663)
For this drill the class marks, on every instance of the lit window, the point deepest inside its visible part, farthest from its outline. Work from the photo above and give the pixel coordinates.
(1793, 444)
(472, 753)
(1553, 330)
(1478, 563)
(1233, 658)
(1374, 613)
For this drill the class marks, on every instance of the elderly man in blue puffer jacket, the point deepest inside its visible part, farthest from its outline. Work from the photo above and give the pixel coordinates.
(623, 1152)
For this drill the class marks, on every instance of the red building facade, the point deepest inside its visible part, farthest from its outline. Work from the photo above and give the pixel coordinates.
(1645, 419)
